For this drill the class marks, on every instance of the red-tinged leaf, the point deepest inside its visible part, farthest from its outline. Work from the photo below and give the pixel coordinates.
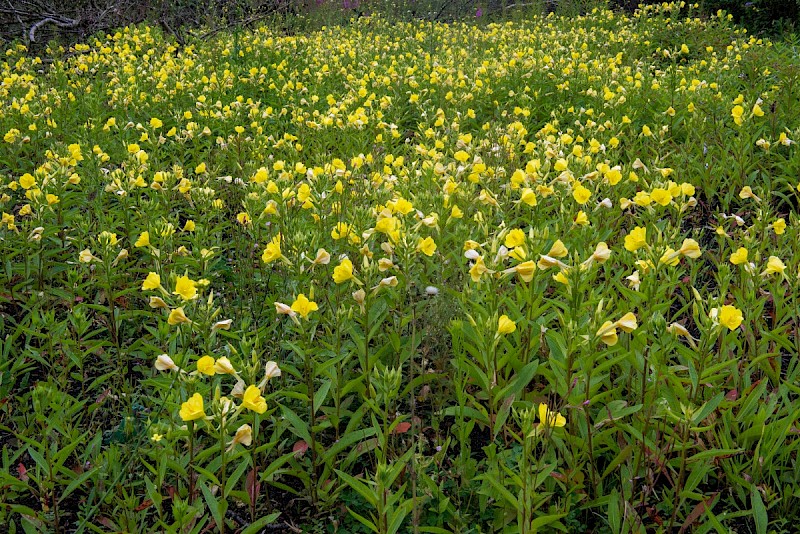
(732, 395)
(558, 476)
(145, 505)
(106, 522)
(698, 511)
(23, 473)
(402, 428)
(252, 485)
(102, 396)
(300, 448)
(171, 491)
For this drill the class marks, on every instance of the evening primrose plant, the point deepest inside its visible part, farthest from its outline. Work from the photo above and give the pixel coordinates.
(530, 275)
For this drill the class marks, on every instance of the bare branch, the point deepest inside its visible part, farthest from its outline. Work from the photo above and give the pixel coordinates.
(70, 23)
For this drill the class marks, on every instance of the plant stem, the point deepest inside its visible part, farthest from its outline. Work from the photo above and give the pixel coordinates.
(191, 462)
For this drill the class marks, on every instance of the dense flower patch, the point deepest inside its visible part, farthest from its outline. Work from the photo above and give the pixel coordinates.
(390, 277)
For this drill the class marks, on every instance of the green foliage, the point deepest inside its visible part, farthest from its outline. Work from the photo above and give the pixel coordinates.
(500, 276)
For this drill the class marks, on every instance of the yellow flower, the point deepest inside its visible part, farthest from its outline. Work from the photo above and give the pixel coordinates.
(774, 266)
(581, 194)
(27, 181)
(243, 218)
(636, 239)
(525, 270)
(185, 287)
(200, 169)
(505, 325)
(143, 240)
(260, 176)
(193, 409)
(340, 230)
(107, 239)
(670, 257)
(558, 250)
(660, 196)
(561, 278)
(581, 219)
(205, 365)
(737, 113)
(153, 281)
(303, 306)
(253, 400)
(747, 192)
(515, 238)
(690, 248)
(177, 316)
(343, 272)
(273, 250)
(627, 322)
(189, 226)
(739, 257)
(642, 199)
(427, 246)
(608, 333)
(156, 123)
(779, 226)
(478, 269)
(528, 196)
(549, 418)
(730, 316)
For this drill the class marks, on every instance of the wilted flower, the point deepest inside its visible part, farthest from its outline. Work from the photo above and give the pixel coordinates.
(165, 363)
(178, 316)
(244, 435)
(223, 366)
(86, 256)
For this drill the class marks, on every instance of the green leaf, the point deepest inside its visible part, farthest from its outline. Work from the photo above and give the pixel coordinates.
(77, 482)
(259, 524)
(363, 520)
(521, 381)
(360, 487)
(759, 511)
(298, 427)
(708, 407)
(218, 508)
(321, 394)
